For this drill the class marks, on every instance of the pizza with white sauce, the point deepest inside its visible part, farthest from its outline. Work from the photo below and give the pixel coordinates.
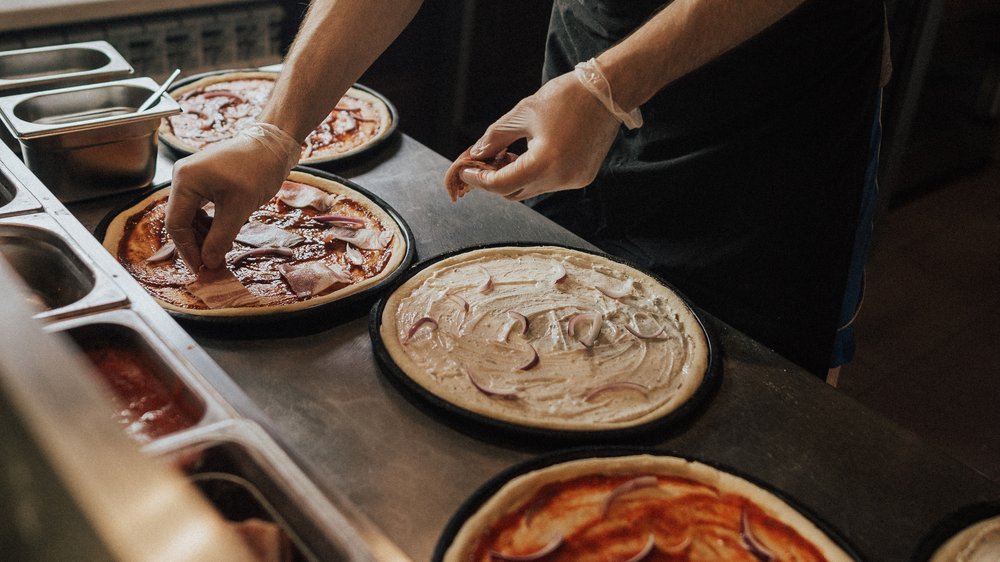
(316, 241)
(546, 337)
(648, 508)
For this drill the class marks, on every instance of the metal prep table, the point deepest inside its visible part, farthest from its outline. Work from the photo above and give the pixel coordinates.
(880, 486)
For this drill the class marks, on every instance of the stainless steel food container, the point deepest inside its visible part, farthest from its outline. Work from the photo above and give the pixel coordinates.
(15, 199)
(88, 141)
(64, 281)
(28, 70)
(72, 64)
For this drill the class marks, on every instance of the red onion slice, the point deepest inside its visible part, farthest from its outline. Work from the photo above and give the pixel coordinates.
(341, 221)
(648, 548)
(544, 551)
(626, 487)
(520, 319)
(561, 274)
(750, 541)
(616, 293)
(532, 362)
(653, 334)
(596, 322)
(458, 300)
(281, 251)
(416, 326)
(622, 385)
(165, 252)
(505, 394)
(487, 285)
(679, 547)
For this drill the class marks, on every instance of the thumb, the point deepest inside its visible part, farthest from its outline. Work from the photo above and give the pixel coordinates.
(225, 226)
(510, 127)
(181, 209)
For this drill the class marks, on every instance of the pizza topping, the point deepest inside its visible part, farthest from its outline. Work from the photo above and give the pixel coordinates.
(364, 238)
(626, 487)
(300, 196)
(265, 251)
(341, 221)
(616, 292)
(459, 301)
(314, 277)
(219, 288)
(354, 255)
(519, 320)
(646, 549)
(590, 336)
(259, 235)
(542, 552)
(561, 274)
(487, 284)
(679, 547)
(165, 252)
(531, 362)
(653, 333)
(453, 177)
(751, 541)
(505, 394)
(416, 326)
(621, 385)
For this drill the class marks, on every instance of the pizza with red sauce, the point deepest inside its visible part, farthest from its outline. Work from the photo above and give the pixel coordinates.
(314, 242)
(637, 508)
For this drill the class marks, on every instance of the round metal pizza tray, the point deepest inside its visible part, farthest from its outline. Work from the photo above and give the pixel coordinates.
(493, 485)
(297, 322)
(510, 433)
(332, 162)
(952, 525)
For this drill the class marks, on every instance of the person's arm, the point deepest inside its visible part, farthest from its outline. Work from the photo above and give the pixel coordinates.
(569, 131)
(338, 40)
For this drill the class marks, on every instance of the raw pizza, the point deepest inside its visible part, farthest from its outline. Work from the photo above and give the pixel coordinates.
(546, 337)
(217, 107)
(632, 508)
(314, 242)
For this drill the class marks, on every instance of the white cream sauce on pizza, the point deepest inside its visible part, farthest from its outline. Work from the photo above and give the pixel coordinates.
(462, 328)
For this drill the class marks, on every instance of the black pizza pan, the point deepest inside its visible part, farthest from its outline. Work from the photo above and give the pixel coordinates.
(953, 524)
(487, 490)
(298, 322)
(513, 434)
(333, 162)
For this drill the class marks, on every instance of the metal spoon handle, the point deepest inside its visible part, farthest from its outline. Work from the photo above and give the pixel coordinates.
(159, 92)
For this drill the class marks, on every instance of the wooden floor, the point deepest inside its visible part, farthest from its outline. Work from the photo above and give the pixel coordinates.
(929, 329)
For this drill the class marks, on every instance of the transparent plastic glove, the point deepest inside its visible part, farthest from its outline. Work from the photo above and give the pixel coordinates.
(569, 133)
(238, 175)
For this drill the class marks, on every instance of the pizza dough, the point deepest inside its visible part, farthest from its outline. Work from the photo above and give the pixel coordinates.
(979, 542)
(546, 337)
(355, 259)
(217, 107)
(617, 508)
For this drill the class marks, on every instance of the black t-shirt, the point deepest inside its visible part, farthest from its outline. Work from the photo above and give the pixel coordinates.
(743, 186)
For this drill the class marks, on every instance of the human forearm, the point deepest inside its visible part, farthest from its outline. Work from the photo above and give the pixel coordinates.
(683, 36)
(338, 41)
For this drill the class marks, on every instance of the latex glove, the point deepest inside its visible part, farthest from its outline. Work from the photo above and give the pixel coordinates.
(239, 175)
(569, 134)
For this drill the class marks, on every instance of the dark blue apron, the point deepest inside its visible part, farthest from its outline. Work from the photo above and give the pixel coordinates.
(743, 187)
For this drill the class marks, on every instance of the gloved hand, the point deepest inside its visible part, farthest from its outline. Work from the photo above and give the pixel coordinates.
(238, 175)
(569, 133)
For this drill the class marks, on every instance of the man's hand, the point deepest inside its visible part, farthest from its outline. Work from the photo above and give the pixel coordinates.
(569, 134)
(238, 175)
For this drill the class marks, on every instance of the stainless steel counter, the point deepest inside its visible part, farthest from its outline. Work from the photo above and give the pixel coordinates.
(877, 484)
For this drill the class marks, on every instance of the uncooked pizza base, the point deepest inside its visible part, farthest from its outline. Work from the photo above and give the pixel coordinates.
(397, 248)
(621, 381)
(513, 495)
(384, 115)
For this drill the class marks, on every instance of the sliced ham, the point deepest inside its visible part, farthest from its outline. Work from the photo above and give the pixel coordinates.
(219, 288)
(453, 179)
(314, 277)
(354, 256)
(260, 235)
(300, 195)
(364, 238)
